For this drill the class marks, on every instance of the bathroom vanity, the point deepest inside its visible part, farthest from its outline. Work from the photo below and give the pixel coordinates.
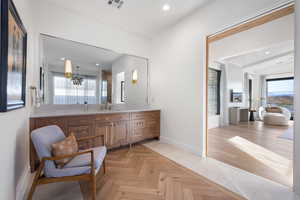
(120, 128)
(100, 92)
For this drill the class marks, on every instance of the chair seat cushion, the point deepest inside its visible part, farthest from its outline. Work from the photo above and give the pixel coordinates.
(276, 119)
(85, 159)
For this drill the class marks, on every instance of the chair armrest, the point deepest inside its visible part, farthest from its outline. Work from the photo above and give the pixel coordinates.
(91, 138)
(286, 112)
(71, 156)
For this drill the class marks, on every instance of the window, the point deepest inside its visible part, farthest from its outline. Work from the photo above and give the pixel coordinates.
(67, 93)
(104, 90)
(280, 92)
(119, 91)
(214, 77)
(122, 91)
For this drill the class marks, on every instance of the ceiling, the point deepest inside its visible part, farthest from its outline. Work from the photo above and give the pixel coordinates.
(276, 58)
(271, 53)
(265, 49)
(143, 17)
(81, 55)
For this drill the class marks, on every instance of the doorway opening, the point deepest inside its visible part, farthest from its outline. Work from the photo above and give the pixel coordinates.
(250, 94)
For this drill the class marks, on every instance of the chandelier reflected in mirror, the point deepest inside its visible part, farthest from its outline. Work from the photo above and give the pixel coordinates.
(116, 3)
(76, 78)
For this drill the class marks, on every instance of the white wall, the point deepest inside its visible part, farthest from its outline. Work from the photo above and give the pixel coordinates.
(235, 81)
(178, 68)
(60, 22)
(256, 90)
(136, 94)
(14, 149)
(297, 104)
(213, 121)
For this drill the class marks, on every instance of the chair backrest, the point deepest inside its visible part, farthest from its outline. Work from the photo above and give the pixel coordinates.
(42, 140)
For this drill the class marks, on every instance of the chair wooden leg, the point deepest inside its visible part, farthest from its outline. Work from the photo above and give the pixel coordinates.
(35, 181)
(32, 189)
(104, 166)
(94, 187)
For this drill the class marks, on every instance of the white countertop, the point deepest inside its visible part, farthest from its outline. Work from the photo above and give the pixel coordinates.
(55, 112)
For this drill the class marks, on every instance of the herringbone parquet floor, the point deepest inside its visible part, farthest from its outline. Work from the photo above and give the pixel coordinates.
(141, 174)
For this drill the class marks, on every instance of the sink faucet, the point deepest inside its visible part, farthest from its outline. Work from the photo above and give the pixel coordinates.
(86, 106)
(106, 106)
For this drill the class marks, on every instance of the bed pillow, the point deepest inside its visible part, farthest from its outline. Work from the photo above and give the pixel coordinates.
(273, 110)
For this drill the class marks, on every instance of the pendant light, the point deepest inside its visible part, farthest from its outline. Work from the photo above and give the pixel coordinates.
(68, 69)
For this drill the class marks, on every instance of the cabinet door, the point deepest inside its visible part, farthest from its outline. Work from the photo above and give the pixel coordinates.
(119, 132)
(81, 126)
(81, 131)
(105, 130)
(153, 128)
(138, 131)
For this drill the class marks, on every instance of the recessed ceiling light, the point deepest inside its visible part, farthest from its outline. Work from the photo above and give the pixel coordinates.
(63, 58)
(267, 52)
(97, 64)
(166, 7)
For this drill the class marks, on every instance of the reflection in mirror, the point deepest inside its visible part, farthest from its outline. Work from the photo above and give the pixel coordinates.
(76, 73)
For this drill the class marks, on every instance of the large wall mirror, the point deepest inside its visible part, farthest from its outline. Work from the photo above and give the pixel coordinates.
(76, 73)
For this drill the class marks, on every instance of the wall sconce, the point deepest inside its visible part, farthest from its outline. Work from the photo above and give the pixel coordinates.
(134, 76)
(68, 69)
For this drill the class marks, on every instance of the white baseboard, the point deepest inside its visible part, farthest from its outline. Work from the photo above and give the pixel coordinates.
(186, 147)
(24, 184)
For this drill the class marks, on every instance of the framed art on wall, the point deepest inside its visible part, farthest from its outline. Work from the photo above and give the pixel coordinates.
(236, 97)
(13, 58)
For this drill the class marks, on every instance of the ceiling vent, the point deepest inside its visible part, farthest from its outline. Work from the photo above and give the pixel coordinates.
(116, 3)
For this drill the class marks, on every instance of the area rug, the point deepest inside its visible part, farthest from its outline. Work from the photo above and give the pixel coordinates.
(58, 191)
(288, 134)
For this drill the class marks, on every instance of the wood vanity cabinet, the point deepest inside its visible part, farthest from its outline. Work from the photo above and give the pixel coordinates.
(145, 125)
(119, 129)
(80, 127)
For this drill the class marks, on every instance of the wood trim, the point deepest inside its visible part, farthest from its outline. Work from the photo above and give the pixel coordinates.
(271, 16)
(43, 181)
(253, 23)
(206, 93)
(68, 156)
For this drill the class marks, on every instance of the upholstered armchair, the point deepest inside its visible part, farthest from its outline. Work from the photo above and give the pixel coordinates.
(83, 166)
(275, 115)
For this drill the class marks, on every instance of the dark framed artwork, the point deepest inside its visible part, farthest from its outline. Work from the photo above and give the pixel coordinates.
(236, 97)
(122, 91)
(42, 84)
(13, 58)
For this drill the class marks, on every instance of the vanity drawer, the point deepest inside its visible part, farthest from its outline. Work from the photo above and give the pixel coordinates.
(145, 123)
(80, 131)
(139, 124)
(112, 117)
(58, 121)
(82, 120)
(146, 115)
